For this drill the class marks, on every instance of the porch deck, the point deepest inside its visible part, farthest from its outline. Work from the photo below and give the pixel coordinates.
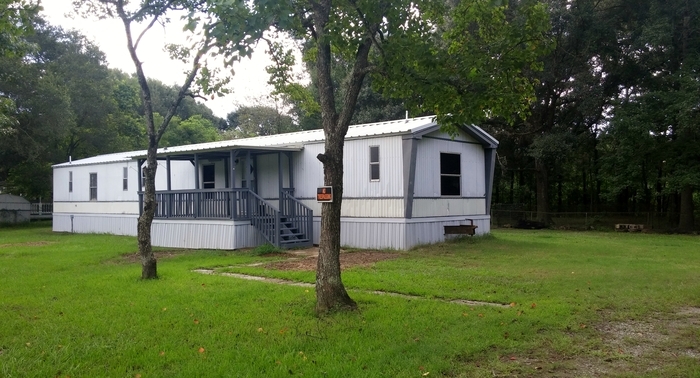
(290, 225)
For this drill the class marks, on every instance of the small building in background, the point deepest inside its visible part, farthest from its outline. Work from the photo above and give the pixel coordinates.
(14, 209)
(404, 182)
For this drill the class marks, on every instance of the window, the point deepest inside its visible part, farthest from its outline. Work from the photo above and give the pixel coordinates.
(93, 186)
(450, 174)
(125, 180)
(374, 163)
(208, 177)
(70, 181)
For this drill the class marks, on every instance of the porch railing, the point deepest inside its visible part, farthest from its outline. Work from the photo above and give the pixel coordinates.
(203, 203)
(289, 226)
(265, 218)
(41, 208)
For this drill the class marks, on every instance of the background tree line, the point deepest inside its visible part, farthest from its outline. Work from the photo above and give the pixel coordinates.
(613, 126)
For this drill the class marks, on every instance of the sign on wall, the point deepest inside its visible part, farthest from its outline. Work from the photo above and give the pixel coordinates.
(324, 194)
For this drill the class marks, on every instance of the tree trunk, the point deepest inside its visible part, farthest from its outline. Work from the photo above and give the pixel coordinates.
(686, 223)
(542, 193)
(148, 260)
(330, 292)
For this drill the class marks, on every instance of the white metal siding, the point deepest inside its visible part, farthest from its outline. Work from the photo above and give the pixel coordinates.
(308, 171)
(268, 176)
(356, 177)
(427, 183)
(436, 207)
(110, 181)
(181, 176)
(96, 207)
(365, 207)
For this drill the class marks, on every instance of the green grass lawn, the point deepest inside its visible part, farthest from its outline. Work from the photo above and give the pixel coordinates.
(580, 304)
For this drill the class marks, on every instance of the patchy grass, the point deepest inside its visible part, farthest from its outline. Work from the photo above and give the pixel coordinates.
(582, 304)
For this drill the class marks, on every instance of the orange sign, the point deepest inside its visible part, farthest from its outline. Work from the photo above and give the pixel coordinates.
(324, 194)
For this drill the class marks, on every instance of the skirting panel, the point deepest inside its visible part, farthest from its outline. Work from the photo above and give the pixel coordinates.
(199, 234)
(374, 233)
(95, 223)
(205, 234)
(399, 233)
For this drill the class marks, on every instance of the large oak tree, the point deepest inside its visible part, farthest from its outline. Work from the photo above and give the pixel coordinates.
(224, 27)
(464, 62)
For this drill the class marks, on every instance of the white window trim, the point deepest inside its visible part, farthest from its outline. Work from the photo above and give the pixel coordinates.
(372, 163)
(91, 187)
(451, 175)
(125, 179)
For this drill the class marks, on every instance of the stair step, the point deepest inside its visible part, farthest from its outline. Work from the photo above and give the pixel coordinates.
(296, 243)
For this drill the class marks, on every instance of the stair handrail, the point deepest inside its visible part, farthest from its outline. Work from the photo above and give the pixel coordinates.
(301, 216)
(265, 218)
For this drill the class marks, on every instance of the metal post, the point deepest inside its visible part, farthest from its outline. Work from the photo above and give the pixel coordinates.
(195, 197)
(279, 180)
(290, 166)
(247, 171)
(232, 182)
(169, 202)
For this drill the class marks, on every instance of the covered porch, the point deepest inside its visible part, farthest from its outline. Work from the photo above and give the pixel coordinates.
(243, 184)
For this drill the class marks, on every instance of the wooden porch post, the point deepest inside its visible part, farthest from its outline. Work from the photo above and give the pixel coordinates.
(232, 181)
(167, 168)
(279, 180)
(290, 162)
(169, 206)
(195, 210)
(247, 181)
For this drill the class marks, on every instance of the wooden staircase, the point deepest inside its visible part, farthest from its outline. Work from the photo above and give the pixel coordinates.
(289, 227)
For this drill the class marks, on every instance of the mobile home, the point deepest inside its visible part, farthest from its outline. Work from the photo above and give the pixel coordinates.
(404, 181)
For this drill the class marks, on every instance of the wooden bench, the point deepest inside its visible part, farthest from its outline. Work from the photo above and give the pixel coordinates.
(462, 229)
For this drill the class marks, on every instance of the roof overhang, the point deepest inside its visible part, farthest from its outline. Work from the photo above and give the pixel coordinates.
(473, 131)
(184, 153)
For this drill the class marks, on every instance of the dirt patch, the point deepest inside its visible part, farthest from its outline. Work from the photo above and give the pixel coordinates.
(642, 346)
(347, 260)
(619, 348)
(27, 244)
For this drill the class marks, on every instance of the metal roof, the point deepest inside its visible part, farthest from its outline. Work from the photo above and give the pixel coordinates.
(108, 158)
(290, 141)
(296, 140)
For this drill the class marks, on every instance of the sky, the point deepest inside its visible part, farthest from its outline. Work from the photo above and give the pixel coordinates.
(248, 83)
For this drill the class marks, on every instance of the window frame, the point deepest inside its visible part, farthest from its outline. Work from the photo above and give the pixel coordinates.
(143, 177)
(372, 164)
(125, 179)
(70, 181)
(93, 187)
(446, 175)
(212, 184)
